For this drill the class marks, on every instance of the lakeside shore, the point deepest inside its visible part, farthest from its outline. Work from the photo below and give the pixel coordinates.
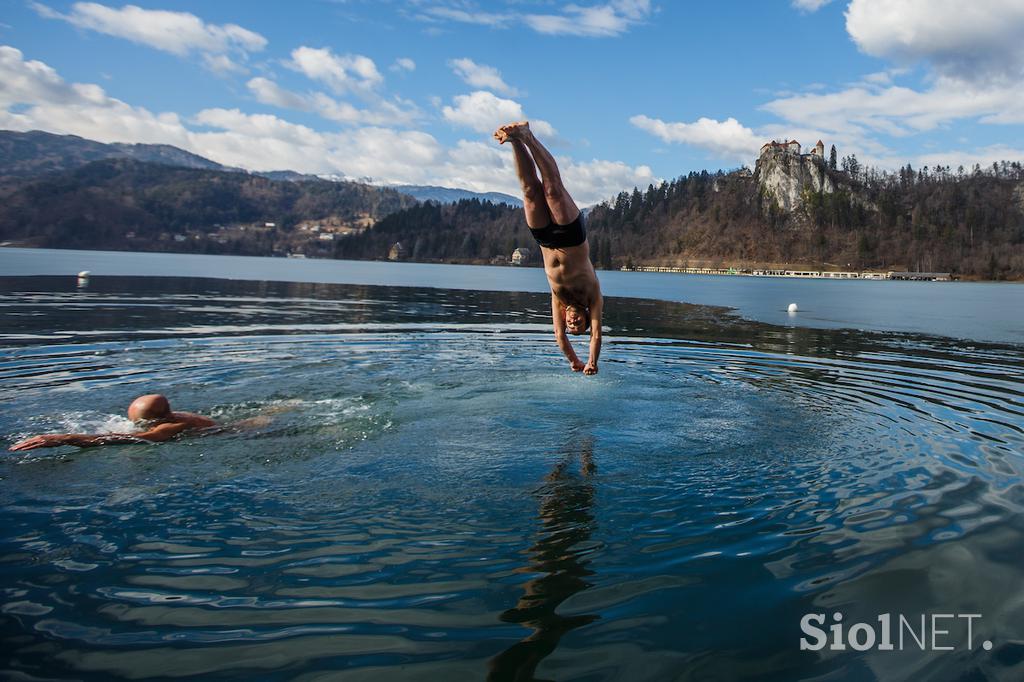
(770, 270)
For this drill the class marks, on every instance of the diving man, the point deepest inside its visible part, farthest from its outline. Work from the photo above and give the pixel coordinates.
(556, 224)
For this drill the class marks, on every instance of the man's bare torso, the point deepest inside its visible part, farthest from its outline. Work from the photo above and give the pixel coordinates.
(571, 275)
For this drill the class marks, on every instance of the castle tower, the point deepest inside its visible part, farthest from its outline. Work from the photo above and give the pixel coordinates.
(819, 149)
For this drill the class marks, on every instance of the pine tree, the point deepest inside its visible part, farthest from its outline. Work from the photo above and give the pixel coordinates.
(832, 158)
(605, 257)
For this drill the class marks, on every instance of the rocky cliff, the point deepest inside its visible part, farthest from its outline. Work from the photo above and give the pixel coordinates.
(784, 176)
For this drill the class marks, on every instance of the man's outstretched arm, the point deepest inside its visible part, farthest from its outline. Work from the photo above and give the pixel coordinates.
(595, 337)
(558, 319)
(85, 440)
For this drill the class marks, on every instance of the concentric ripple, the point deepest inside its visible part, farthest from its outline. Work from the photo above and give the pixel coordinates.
(411, 485)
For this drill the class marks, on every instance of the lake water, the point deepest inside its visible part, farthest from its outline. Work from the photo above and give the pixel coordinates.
(982, 311)
(430, 494)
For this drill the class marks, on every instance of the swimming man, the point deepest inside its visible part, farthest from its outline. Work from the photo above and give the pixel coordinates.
(153, 412)
(556, 224)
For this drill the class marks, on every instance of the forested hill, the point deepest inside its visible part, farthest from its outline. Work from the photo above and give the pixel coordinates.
(969, 223)
(795, 211)
(130, 205)
(469, 230)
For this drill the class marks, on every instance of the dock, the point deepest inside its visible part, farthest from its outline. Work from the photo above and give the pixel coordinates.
(798, 274)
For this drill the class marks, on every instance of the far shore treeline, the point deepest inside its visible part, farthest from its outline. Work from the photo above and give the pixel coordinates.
(969, 222)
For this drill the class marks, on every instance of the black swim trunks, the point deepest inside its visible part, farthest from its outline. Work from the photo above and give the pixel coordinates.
(555, 236)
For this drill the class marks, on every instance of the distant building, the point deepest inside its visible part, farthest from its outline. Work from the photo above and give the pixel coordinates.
(521, 256)
(397, 252)
(499, 260)
(180, 237)
(920, 276)
(326, 237)
(791, 146)
(269, 224)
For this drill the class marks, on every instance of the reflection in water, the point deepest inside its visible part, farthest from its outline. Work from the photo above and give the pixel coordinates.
(378, 527)
(560, 555)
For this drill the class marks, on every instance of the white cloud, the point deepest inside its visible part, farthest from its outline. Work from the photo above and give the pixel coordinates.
(381, 112)
(179, 33)
(466, 17)
(480, 76)
(84, 109)
(341, 73)
(726, 139)
(610, 19)
(263, 126)
(222, 64)
(985, 156)
(901, 111)
(404, 64)
(810, 5)
(970, 41)
(386, 155)
(483, 112)
(34, 96)
(269, 92)
(597, 180)
(29, 81)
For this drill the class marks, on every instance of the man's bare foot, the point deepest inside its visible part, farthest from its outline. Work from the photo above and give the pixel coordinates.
(520, 130)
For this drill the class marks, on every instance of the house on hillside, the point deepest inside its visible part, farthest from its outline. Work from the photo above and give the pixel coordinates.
(397, 252)
(520, 256)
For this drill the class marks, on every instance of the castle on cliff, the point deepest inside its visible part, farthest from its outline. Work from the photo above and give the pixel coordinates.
(793, 147)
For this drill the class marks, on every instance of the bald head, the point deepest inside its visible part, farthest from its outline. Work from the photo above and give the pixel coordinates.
(149, 408)
(577, 319)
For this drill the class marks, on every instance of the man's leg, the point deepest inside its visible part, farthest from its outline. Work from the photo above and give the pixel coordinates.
(563, 208)
(536, 207)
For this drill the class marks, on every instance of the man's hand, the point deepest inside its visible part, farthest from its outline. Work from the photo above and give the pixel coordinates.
(50, 440)
(590, 369)
(576, 365)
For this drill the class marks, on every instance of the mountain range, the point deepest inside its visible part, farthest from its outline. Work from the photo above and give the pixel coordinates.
(33, 153)
(450, 195)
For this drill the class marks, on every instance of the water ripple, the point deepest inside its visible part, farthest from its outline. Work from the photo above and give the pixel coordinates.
(428, 493)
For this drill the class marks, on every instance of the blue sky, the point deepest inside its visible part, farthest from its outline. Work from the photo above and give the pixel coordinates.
(624, 91)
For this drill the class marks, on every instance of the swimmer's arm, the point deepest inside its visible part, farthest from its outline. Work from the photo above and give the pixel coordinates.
(595, 337)
(81, 440)
(163, 432)
(86, 440)
(558, 319)
(194, 421)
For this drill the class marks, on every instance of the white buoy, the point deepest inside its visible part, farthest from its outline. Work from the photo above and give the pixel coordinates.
(83, 279)
(792, 308)
(84, 274)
